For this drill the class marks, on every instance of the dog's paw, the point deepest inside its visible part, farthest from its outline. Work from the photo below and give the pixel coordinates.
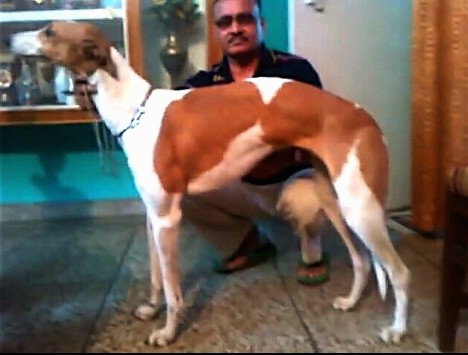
(145, 311)
(343, 303)
(161, 337)
(392, 334)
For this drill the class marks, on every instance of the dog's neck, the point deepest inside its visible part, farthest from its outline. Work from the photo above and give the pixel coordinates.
(118, 98)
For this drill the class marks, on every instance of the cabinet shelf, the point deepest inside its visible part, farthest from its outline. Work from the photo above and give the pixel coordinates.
(121, 25)
(37, 108)
(60, 15)
(45, 116)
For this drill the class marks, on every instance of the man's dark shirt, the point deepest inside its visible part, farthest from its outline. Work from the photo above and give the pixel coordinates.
(272, 63)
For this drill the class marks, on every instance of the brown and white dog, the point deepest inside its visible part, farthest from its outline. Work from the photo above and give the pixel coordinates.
(193, 141)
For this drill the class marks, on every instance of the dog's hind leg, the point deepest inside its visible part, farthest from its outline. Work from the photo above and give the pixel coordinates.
(147, 311)
(375, 236)
(366, 217)
(306, 203)
(360, 262)
(165, 216)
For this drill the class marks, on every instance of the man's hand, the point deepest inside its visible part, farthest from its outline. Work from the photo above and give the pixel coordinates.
(82, 92)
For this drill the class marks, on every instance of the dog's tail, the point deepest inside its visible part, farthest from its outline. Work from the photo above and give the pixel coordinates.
(381, 278)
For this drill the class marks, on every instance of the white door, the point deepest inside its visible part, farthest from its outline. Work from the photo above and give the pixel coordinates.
(362, 51)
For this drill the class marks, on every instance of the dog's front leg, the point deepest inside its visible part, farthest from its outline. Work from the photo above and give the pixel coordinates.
(166, 229)
(147, 311)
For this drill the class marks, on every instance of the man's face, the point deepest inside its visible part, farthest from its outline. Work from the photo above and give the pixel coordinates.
(239, 27)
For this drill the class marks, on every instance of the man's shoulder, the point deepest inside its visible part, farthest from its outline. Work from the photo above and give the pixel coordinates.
(205, 77)
(286, 57)
(199, 79)
(292, 66)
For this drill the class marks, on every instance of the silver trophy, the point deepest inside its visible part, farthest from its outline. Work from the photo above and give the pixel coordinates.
(7, 87)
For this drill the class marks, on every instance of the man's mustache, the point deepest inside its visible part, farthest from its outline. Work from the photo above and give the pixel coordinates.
(237, 37)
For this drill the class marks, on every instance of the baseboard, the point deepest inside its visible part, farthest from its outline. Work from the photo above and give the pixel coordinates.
(82, 209)
(407, 221)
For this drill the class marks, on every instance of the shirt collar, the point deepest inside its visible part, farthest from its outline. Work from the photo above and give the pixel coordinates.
(267, 58)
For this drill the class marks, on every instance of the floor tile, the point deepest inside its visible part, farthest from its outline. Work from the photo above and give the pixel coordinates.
(232, 313)
(54, 277)
(71, 286)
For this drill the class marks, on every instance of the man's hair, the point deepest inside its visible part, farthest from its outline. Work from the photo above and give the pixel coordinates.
(259, 4)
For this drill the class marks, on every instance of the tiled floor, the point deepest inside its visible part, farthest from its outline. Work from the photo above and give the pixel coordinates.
(71, 286)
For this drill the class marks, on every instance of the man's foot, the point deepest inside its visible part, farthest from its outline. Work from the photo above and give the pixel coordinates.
(314, 273)
(251, 253)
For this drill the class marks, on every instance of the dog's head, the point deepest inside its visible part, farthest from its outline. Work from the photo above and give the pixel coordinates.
(78, 46)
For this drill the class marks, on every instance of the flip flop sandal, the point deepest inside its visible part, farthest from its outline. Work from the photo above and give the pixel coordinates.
(253, 258)
(306, 274)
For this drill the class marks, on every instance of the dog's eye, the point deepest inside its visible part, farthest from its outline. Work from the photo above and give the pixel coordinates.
(49, 32)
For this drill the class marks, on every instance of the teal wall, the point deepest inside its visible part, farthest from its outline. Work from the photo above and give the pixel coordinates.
(61, 163)
(276, 16)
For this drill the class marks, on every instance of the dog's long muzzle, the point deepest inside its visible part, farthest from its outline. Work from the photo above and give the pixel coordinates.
(26, 43)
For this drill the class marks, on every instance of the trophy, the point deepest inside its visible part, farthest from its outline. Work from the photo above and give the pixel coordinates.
(7, 85)
(27, 85)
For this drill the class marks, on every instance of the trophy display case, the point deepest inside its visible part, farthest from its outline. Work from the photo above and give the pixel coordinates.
(32, 89)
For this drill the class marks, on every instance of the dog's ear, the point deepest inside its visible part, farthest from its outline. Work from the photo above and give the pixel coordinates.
(99, 54)
(91, 51)
(120, 64)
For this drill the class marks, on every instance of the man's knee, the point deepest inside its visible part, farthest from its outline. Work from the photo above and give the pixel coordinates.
(299, 203)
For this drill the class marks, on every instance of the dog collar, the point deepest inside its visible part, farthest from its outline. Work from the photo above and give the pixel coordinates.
(136, 117)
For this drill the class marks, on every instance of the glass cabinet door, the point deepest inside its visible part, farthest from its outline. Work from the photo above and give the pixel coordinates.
(34, 83)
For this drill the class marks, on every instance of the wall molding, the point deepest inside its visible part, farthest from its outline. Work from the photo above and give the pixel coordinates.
(70, 210)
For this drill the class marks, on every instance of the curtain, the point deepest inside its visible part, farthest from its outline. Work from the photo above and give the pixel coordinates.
(439, 104)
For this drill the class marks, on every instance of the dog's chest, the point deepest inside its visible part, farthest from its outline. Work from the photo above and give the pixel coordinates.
(139, 142)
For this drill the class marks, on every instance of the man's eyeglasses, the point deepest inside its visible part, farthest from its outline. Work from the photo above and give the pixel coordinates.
(243, 18)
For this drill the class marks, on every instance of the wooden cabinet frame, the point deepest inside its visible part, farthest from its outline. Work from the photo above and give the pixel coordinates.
(214, 52)
(38, 115)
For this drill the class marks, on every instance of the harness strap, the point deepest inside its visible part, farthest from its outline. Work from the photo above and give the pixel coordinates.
(83, 91)
(137, 115)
